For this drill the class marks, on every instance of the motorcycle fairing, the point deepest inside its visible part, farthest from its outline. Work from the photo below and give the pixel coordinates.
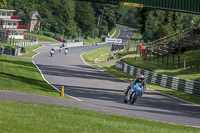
(138, 88)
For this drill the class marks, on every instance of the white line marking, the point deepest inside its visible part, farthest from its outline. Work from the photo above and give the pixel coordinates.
(36, 51)
(84, 60)
(113, 34)
(119, 33)
(53, 85)
(35, 55)
(39, 47)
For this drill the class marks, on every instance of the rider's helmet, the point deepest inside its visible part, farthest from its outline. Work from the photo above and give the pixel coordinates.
(141, 77)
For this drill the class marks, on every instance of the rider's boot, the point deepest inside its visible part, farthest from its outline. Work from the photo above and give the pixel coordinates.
(126, 91)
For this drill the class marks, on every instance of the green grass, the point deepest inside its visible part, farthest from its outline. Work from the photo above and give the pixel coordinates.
(29, 50)
(7, 44)
(116, 33)
(110, 68)
(100, 55)
(22, 76)
(17, 40)
(27, 117)
(187, 73)
(43, 38)
(92, 41)
(112, 31)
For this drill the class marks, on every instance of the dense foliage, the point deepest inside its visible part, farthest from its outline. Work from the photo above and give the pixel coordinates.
(154, 24)
(73, 18)
(68, 17)
(3, 4)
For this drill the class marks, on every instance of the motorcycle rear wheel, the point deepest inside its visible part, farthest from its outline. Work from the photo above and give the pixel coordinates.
(125, 101)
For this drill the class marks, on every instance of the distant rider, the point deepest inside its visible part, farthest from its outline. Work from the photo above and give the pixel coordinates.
(66, 51)
(52, 52)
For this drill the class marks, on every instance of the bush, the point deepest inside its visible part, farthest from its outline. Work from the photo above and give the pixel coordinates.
(35, 32)
(40, 33)
(49, 34)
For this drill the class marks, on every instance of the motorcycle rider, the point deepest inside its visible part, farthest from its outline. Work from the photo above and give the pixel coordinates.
(139, 79)
(66, 51)
(52, 52)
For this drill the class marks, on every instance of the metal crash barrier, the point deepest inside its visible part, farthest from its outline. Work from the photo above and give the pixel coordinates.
(183, 85)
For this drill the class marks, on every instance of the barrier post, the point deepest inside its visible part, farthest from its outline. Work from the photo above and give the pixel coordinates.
(184, 62)
(62, 92)
(197, 63)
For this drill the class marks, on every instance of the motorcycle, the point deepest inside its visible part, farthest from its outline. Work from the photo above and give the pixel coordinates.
(52, 52)
(66, 51)
(132, 93)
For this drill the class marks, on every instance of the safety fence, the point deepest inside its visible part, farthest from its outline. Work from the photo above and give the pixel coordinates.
(11, 51)
(21, 44)
(184, 85)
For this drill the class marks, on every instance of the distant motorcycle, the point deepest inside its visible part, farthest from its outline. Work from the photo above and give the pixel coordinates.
(132, 93)
(66, 51)
(52, 52)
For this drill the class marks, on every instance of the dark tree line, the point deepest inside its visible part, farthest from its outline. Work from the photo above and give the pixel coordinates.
(69, 17)
(74, 18)
(154, 24)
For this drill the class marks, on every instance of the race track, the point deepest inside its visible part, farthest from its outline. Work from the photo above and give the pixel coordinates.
(99, 89)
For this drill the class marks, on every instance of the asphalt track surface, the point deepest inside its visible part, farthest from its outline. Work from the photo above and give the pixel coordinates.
(101, 92)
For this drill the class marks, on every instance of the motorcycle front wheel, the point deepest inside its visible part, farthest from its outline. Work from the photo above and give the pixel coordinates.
(132, 100)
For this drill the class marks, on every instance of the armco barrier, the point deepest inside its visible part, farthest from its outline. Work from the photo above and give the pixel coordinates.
(11, 51)
(184, 85)
(21, 44)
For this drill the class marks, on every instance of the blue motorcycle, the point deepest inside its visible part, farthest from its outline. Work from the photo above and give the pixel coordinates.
(132, 93)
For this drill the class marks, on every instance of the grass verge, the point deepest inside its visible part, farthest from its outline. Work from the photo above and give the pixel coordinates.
(17, 40)
(29, 50)
(43, 38)
(26, 117)
(116, 33)
(110, 68)
(7, 44)
(97, 56)
(92, 41)
(22, 76)
(187, 73)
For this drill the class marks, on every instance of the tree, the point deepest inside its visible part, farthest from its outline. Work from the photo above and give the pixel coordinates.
(58, 16)
(85, 18)
(105, 17)
(3, 4)
(24, 6)
(129, 15)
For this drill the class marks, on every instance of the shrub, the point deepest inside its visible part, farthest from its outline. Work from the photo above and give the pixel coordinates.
(49, 34)
(40, 33)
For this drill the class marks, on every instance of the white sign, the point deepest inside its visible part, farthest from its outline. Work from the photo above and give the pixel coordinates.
(115, 40)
